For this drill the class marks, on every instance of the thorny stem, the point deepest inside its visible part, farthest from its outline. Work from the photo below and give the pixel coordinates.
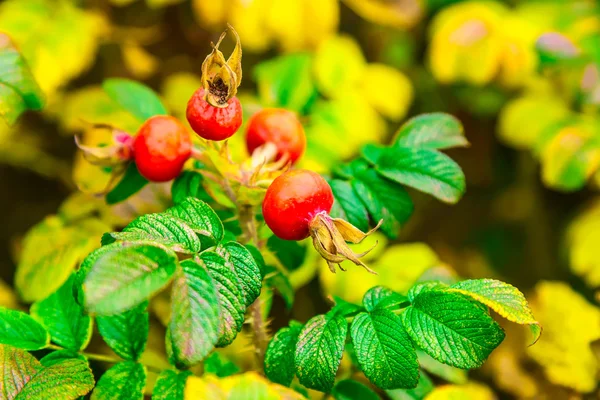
(106, 358)
(260, 332)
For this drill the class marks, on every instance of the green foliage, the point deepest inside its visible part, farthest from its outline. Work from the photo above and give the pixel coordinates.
(131, 183)
(245, 267)
(352, 390)
(188, 184)
(200, 217)
(64, 318)
(18, 89)
(279, 360)
(126, 333)
(20, 330)
(125, 380)
(136, 98)
(170, 385)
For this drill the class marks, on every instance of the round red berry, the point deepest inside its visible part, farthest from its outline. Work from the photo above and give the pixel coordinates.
(293, 200)
(161, 148)
(280, 127)
(213, 123)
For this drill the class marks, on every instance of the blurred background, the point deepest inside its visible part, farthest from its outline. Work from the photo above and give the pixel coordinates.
(522, 76)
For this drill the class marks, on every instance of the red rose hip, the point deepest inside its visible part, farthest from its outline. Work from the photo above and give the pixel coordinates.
(279, 127)
(293, 200)
(213, 123)
(161, 148)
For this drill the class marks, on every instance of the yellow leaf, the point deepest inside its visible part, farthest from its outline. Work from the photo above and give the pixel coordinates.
(583, 236)
(469, 391)
(8, 297)
(177, 90)
(397, 13)
(519, 60)
(323, 18)
(339, 66)
(570, 325)
(138, 61)
(284, 22)
(203, 388)
(523, 120)
(248, 18)
(211, 13)
(398, 268)
(91, 178)
(466, 45)
(58, 40)
(388, 90)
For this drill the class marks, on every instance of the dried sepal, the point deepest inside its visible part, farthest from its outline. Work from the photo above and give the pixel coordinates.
(220, 77)
(329, 237)
(117, 153)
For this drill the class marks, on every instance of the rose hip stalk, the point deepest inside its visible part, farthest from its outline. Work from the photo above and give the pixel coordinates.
(297, 205)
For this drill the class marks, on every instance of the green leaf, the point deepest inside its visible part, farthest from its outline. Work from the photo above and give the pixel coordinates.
(219, 365)
(126, 333)
(287, 81)
(59, 356)
(65, 319)
(279, 280)
(170, 385)
(200, 217)
(246, 268)
(384, 199)
(431, 131)
(319, 351)
(290, 253)
(68, 380)
(446, 372)
(18, 89)
(349, 389)
(503, 298)
(344, 308)
(126, 276)
(380, 297)
(131, 183)
(424, 387)
(17, 367)
(231, 299)
(124, 381)
(20, 330)
(139, 100)
(194, 325)
(426, 170)
(160, 228)
(347, 205)
(451, 328)
(279, 357)
(188, 184)
(384, 350)
(414, 291)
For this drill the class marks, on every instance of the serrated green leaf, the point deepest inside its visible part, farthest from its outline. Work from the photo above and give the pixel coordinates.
(414, 291)
(68, 380)
(344, 308)
(451, 328)
(319, 351)
(124, 381)
(384, 350)
(131, 183)
(349, 389)
(379, 297)
(17, 367)
(20, 330)
(139, 100)
(286, 81)
(126, 276)
(426, 170)
(503, 298)
(160, 228)
(194, 325)
(384, 199)
(200, 217)
(59, 356)
(231, 299)
(431, 131)
(65, 318)
(446, 372)
(279, 357)
(245, 267)
(424, 387)
(126, 333)
(347, 205)
(188, 184)
(170, 385)
(18, 89)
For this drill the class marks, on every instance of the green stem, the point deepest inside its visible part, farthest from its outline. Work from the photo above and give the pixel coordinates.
(260, 332)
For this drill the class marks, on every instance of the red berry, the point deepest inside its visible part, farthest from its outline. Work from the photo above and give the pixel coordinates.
(277, 126)
(213, 123)
(161, 147)
(293, 200)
